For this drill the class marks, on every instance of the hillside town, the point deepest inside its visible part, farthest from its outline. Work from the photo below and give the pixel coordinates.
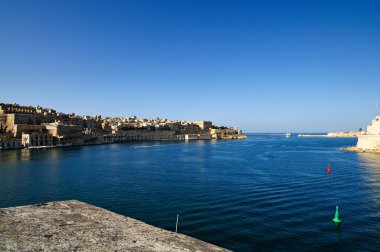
(37, 127)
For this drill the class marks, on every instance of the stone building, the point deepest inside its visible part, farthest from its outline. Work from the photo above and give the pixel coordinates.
(36, 139)
(190, 128)
(15, 108)
(203, 124)
(106, 127)
(370, 139)
(8, 122)
(36, 126)
(227, 133)
(374, 127)
(20, 129)
(65, 134)
(136, 135)
(3, 123)
(7, 142)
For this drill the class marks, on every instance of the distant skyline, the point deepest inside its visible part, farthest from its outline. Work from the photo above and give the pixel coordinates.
(264, 66)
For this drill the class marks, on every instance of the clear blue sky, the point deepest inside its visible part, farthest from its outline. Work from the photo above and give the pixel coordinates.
(266, 66)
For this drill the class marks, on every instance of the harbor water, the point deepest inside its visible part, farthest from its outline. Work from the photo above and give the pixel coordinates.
(264, 193)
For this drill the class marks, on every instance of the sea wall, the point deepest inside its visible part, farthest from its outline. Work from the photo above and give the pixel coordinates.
(77, 226)
(237, 136)
(128, 136)
(369, 142)
(343, 134)
(197, 136)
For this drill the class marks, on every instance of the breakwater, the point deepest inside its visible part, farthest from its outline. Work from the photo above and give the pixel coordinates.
(76, 226)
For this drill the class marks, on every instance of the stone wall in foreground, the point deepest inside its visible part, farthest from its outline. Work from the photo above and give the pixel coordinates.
(76, 226)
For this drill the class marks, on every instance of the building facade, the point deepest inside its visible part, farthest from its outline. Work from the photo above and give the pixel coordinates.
(37, 139)
(10, 143)
(370, 139)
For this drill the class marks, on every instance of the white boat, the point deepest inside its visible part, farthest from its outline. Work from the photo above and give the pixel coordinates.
(40, 147)
(287, 134)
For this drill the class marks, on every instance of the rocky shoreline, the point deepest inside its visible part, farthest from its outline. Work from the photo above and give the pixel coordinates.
(356, 149)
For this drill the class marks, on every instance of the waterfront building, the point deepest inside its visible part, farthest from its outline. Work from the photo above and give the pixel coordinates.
(370, 139)
(9, 143)
(65, 134)
(36, 139)
(136, 135)
(226, 133)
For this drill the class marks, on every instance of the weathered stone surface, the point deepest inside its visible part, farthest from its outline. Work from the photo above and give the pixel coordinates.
(77, 226)
(356, 149)
(369, 143)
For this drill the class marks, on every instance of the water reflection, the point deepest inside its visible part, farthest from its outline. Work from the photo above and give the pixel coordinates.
(25, 154)
(371, 159)
(15, 156)
(10, 156)
(371, 167)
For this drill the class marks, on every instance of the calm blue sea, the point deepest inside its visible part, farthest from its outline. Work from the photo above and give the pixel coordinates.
(264, 193)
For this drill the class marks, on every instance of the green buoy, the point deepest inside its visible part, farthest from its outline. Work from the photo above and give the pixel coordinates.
(337, 219)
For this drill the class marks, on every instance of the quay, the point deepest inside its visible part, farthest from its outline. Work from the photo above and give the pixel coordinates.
(76, 226)
(332, 135)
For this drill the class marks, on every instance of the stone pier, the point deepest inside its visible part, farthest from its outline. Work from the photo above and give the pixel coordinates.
(77, 226)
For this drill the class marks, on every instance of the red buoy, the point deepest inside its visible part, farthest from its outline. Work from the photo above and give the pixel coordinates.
(328, 169)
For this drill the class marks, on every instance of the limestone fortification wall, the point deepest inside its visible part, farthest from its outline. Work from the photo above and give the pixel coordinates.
(368, 142)
(18, 129)
(31, 119)
(9, 121)
(343, 134)
(371, 139)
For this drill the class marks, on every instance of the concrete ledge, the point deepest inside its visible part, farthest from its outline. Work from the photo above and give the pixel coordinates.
(77, 226)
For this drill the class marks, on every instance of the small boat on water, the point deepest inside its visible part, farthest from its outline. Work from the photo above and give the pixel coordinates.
(287, 134)
(41, 147)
